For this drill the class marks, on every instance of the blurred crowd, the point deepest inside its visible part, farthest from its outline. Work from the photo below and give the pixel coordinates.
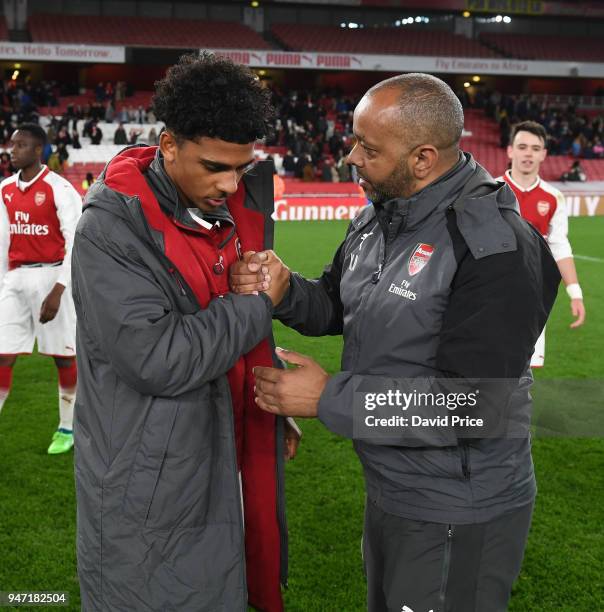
(314, 129)
(570, 132)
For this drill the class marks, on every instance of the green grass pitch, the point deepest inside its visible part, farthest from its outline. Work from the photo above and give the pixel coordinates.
(565, 554)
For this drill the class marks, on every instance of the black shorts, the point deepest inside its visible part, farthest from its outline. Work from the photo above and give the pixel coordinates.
(415, 566)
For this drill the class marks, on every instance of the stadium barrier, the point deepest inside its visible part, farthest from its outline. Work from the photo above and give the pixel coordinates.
(343, 201)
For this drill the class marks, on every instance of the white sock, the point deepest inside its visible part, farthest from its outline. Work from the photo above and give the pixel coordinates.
(66, 402)
(3, 395)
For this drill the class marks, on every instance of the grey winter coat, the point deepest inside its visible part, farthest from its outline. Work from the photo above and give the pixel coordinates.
(159, 505)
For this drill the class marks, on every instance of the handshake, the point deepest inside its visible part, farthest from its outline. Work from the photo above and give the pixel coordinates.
(291, 392)
(260, 271)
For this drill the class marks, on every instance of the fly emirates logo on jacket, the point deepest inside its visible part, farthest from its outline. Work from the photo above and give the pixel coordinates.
(417, 262)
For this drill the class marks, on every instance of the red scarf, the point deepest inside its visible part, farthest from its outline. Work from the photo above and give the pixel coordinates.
(256, 429)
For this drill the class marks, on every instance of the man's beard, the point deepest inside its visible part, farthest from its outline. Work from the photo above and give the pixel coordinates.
(399, 184)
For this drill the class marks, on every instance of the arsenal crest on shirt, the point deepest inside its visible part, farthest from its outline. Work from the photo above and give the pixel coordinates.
(420, 257)
(39, 198)
(542, 207)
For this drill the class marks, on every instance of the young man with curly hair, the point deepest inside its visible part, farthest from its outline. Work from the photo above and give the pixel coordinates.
(171, 453)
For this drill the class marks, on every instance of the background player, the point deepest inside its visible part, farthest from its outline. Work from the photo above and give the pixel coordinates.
(544, 207)
(38, 216)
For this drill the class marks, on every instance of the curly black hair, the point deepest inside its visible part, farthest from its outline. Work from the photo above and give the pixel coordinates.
(207, 95)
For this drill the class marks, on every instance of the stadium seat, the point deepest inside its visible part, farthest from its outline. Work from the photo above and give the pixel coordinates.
(300, 37)
(3, 28)
(550, 48)
(143, 32)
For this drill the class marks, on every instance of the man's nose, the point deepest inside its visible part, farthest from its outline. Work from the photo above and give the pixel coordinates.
(352, 159)
(228, 182)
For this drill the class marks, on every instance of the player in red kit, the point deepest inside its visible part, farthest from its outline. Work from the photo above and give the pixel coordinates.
(544, 207)
(39, 212)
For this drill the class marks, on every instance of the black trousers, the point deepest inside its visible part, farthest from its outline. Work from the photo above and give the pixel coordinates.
(414, 566)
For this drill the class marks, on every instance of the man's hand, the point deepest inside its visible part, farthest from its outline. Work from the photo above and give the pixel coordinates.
(51, 303)
(292, 435)
(294, 392)
(262, 271)
(577, 307)
(243, 280)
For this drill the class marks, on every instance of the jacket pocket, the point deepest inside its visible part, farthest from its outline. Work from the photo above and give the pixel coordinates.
(149, 458)
(197, 481)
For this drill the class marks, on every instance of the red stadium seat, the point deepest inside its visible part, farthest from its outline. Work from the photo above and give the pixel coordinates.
(552, 48)
(395, 41)
(3, 28)
(143, 32)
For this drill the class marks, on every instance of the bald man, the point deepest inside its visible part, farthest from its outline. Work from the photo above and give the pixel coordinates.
(440, 289)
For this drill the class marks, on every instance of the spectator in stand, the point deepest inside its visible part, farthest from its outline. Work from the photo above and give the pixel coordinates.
(119, 137)
(54, 163)
(343, 168)
(504, 130)
(598, 149)
(124, 117)
(140, 115)
(120, 91)
(326, 175)
(133, 135)
(109, 112)
(151, 118)
(88, 181)
(96, 135)
(51, 132)
(99, 92)
(63, 137)
(308, 172)
(75, 140)
(289, 163)
(152, 137)
(577, 147)
(576, 173)
(5, 166)
(63, 153)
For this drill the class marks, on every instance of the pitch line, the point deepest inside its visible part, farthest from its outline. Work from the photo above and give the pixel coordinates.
(587, 258)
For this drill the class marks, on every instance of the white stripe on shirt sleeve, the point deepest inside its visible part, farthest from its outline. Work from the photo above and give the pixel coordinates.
(557, 236)
(4, 237)
(69, 210)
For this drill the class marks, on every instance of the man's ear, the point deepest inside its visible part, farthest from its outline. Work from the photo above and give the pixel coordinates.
(425, 158)
(168, 146)
(509, 151)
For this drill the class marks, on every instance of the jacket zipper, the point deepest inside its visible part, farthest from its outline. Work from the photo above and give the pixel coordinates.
(446, 564)
(175, 276)
(375, 279)
(464, 452)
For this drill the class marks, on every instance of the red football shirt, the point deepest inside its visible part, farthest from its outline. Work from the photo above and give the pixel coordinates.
(42, 215)
(543, 206)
